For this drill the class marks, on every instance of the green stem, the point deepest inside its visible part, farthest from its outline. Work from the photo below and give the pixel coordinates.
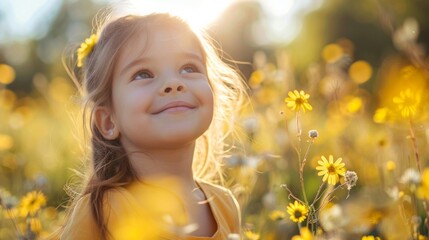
(301, 173)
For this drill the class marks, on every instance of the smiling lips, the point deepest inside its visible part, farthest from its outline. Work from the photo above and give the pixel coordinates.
(177, 106)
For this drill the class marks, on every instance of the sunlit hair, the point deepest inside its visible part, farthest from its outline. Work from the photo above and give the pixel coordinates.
(110, 166)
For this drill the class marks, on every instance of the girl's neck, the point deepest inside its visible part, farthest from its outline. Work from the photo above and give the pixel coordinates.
(157, 163)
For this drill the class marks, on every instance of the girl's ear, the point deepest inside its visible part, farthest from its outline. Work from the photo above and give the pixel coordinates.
(104, 122)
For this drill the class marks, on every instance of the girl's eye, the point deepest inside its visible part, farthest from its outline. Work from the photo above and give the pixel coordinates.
(142, 75)
(190, 68)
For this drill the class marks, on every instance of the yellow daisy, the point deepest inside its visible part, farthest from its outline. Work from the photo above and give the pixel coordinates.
(297, 100)
(370, 238)
(277, 215)
(250, 235)
(35, 225)
(423, 188)
(85, 49)
(331, 170)
(297, 211)
(408, 102)
(305, 234)
(31, 203)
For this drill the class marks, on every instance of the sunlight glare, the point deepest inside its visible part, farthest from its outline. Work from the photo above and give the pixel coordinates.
(199, 14)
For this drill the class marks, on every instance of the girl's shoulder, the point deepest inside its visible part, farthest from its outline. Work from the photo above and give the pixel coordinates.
(80, 224)
(223, 205)
(219, 196)
(214, 189)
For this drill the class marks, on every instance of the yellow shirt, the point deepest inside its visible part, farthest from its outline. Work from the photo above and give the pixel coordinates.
(139, 211)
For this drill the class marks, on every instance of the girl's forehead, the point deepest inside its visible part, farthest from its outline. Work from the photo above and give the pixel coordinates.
(154, 40)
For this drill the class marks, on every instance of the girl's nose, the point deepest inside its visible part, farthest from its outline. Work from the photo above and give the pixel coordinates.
(171, 87)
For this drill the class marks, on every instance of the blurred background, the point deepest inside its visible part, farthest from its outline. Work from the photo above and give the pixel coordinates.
(352, 57)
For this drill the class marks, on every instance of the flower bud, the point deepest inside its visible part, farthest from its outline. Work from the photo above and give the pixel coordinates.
(313, 134)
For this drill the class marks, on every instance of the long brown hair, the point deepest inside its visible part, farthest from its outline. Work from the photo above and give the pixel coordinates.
(110, 166)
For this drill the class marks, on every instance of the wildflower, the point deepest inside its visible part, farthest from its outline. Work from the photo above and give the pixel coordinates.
(350, 179)
(370, 238)
(35, 225)
(305, 234)
(31, 203)
(297, 100)
(410, 177)
(382, 115)
(313, 134)
(390, 166)
(407, 102)
(331, 170)
(297, 211)
(422, 237)
(256, 78)
(331, 217)
(423, 190)
(7, 201)
(251, 235)
(85, 49)
(375, 216)
(276, 215)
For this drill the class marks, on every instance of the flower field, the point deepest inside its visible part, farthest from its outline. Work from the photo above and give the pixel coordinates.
(336, 150)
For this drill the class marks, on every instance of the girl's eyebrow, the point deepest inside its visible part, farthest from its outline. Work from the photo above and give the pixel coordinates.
(134, 62)
(191, 55)
(185, 55)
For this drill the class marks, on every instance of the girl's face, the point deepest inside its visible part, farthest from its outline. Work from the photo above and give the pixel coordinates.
(161, 97)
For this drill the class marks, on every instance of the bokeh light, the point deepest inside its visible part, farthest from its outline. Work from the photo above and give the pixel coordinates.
(7, 74)
(360, 71)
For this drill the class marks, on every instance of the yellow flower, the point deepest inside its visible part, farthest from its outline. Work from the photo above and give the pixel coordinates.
(297, 211)
(382, 115)
(296, 100)
(305, 234)
(370, 238)
(35, 225)
(423, 189)
(277, 215)
(422, 237)
(251, 235)
(408, 102)
(31, 203)
(85, 49)
(256, 78)
(390, 165)
(331, 170)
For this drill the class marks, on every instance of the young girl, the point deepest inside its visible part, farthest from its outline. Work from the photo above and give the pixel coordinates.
(161, 105)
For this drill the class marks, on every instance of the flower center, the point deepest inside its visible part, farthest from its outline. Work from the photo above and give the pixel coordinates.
(299, 101)
(297, 214)
(331, 169)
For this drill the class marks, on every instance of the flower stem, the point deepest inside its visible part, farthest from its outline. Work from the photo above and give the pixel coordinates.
(301, 172)
(318, 196)
(416, 153)
(298, 126)
(12, 218)
(414, 144)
